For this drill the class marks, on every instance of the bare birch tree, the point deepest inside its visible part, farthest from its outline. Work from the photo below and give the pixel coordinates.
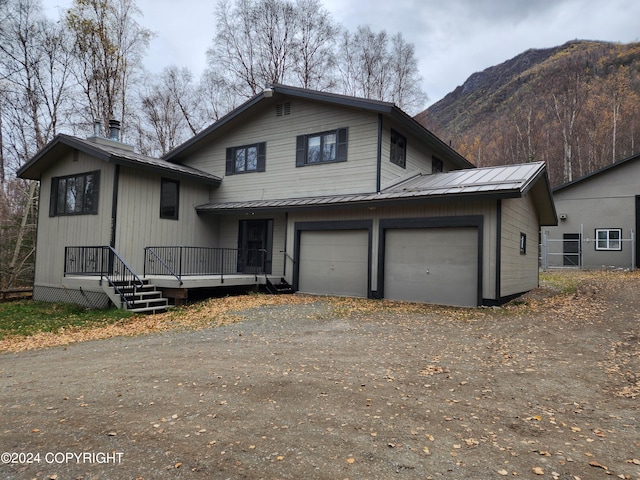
(374, 66)
(261, 42)
(567, 101)
(315, 39)
(108, 44)
(34, 71)
(170, 108)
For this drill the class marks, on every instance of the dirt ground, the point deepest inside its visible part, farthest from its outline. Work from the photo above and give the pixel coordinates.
(545, 387)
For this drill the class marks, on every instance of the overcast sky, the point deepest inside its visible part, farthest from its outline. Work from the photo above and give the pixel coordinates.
(453, 38)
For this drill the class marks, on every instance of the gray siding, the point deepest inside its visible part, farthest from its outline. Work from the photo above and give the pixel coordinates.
(282, 179)
(519, 272)
(56, 233)
(419, 158)
(606, 200)
(139, 224)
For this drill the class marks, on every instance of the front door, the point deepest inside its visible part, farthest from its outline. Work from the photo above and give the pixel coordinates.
(571, 250)
(255, 239)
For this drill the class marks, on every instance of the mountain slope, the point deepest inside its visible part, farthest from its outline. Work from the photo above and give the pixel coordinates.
(573, 106)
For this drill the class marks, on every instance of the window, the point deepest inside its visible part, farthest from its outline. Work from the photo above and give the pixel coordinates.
(75, 194)
(608, 239)
(523, 243)
(398, 149)
(247, 158)
(436, 165)
(325, 147)
(169, 195)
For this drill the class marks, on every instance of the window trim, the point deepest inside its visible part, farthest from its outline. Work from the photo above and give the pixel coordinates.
(394, 149)
(55, 200)
(230, 167)
(523, 243)
(302, 147)
(164, 206)
(608, 240)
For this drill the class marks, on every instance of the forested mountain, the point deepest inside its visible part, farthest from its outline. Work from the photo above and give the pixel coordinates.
(574, 106)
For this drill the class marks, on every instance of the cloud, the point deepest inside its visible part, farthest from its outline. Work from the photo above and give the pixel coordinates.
(453, 38)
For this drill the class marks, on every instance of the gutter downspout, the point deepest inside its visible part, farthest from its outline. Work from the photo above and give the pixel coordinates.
(114, 206)
(379, 160)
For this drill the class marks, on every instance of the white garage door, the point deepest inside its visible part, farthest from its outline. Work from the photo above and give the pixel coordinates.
(334, 262)
(432, 265)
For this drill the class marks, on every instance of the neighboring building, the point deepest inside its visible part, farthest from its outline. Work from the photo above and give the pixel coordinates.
(334, 194)
(599, 220)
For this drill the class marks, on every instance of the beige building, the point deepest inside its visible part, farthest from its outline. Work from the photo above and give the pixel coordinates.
(324, 193)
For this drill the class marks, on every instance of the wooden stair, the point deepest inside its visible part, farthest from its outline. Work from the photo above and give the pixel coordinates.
(146, 299)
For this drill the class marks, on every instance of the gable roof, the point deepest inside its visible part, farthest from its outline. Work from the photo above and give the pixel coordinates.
(598, 172)
(512, 181)
(112, 153)
(272, 94)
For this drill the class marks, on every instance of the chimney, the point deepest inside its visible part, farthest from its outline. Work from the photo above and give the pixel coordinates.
(96, 127)
(114, 130)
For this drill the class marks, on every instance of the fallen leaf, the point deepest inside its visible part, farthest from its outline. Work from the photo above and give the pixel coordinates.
(503, 472)
(538, 471)
(351, 460)
(593, 463)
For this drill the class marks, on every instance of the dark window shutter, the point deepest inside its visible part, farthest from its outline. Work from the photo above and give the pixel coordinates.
(229, 170)
(96, 191)
(301, 150)
(342, 145)
(262, 157)
(53, 197)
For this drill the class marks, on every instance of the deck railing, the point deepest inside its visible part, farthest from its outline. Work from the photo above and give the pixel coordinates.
(182, 261)
(105, 262)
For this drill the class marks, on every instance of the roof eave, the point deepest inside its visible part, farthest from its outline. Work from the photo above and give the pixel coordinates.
(205, 179)
(541, 188)
(375, 106)
(370, 203)
(440, 146)
(30, 169)
(180, 149)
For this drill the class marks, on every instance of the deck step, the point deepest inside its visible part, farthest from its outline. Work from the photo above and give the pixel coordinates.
(282, 287)
(146, 299)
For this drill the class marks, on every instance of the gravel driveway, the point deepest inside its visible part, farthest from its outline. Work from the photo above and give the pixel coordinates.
(547, 387)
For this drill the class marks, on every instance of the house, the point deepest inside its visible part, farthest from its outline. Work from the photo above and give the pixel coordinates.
(329, 194)
(599, 220)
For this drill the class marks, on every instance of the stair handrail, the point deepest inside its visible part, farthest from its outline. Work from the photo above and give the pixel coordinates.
(164, 264)
(128, 274)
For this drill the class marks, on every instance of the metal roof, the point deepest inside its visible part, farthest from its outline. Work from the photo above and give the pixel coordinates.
(122, 155)
(510, 181)
(510, 178)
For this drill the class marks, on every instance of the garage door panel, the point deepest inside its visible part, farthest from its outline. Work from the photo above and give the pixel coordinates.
(334, 262)
(433, 265)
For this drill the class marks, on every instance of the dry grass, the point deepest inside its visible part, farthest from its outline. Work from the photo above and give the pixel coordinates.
(567, 293)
